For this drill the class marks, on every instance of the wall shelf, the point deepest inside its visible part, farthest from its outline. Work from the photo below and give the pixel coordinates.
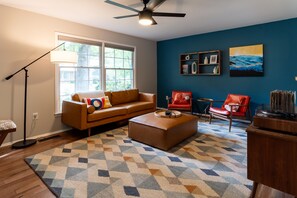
(205, 63)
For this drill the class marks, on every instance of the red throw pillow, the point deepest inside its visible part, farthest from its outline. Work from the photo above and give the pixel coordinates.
(233, 99)
(181, 98)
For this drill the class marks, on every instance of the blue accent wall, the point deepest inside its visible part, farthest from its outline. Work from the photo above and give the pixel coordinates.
(280, 63)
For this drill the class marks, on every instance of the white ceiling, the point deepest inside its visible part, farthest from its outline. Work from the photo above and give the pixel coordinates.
(202, 15)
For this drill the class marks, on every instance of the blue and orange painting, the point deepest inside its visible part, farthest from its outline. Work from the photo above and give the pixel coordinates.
(246, 60)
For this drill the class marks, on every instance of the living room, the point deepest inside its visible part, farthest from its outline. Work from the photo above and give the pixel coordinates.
(26, 34)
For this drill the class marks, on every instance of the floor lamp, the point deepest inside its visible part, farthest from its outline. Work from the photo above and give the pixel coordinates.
(56, 57)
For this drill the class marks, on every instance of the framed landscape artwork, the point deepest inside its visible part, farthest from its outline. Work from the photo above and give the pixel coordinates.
(246, 60)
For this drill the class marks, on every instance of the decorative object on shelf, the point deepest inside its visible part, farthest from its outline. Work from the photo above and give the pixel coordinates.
(205, 60)
(215, 70)
(198, 63)
(66, 57)
(246, 60)
(213, 59)
(185, 69)
(194, 68)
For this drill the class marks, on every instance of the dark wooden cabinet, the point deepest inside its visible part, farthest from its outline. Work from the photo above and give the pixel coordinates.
(272, 159)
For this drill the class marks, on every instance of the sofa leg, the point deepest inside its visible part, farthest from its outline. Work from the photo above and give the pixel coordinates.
(89, 132)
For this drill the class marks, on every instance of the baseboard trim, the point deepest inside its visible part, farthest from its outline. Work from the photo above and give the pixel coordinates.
(37, 136)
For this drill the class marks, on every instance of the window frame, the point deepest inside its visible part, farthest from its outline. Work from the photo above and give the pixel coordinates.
(117, 47)
(102, 63)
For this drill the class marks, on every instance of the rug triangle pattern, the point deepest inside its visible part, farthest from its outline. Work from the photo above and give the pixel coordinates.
(210, 164)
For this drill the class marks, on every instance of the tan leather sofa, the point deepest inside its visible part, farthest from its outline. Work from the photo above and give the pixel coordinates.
(125, 104)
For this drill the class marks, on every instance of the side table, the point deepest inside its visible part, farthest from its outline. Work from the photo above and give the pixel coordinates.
(203, 112)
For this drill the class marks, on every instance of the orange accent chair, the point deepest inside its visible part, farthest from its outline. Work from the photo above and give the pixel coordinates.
(234, 107)
(180, 100)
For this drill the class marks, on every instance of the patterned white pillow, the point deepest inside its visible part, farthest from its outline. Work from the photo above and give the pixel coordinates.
(234, 109)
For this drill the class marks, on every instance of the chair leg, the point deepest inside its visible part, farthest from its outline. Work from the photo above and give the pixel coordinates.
(2, 136)
(210, 118)
(230, 124)
(89, 132)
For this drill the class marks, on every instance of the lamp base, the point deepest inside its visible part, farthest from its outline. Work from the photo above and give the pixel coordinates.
(23, 143)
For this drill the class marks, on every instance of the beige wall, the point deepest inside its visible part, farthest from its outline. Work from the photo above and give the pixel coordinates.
(24, 36)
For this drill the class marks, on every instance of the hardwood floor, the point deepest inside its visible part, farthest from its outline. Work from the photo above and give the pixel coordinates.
(17, 179)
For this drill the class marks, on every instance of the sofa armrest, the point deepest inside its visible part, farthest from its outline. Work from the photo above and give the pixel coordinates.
(74, 114)
(147, 97)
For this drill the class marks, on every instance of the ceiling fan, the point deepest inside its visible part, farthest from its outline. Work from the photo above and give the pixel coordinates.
(146, 15)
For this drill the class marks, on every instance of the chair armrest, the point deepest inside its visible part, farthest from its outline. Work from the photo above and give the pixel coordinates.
(148, 97)
(239, 105)
(74, 114)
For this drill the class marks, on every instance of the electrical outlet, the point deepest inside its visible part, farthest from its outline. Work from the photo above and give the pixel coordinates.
(35, 116)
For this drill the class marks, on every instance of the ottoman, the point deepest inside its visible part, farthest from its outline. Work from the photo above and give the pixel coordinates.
(162, 133)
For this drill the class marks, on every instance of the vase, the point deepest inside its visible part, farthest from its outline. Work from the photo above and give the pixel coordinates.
(215, 70)
(194, 68)
(205, 60)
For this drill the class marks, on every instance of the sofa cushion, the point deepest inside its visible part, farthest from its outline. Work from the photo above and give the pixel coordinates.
(89, 94)
(136, 106)
(106, 113)
(120, 97)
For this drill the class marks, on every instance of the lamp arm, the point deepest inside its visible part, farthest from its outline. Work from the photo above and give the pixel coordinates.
(10, 76)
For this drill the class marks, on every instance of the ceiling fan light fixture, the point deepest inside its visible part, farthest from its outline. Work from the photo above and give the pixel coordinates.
(145, 18)
(145, 22)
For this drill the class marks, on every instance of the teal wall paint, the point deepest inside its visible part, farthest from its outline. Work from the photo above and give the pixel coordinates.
(280, 63)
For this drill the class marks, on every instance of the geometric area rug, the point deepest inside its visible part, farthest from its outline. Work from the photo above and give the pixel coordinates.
(211, 163)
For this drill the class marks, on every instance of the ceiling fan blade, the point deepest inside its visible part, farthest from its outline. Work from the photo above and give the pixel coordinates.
(121, 5)
(167, 14)
(126, 16)
(153, 4)
(154, 22)
(135, 5)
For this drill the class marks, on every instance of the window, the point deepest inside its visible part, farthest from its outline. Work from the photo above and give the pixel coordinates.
(87, 74)
(118, 68)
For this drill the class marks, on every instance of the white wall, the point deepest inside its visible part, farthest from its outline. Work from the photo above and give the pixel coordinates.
(24, 36)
